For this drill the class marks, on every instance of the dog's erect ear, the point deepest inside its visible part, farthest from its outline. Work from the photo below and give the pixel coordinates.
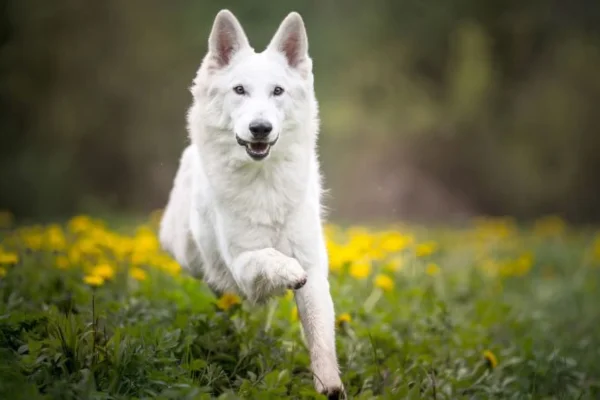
(226, 38)
(291, 40)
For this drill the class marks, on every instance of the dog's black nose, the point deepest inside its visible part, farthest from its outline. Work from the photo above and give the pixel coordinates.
(260, 129)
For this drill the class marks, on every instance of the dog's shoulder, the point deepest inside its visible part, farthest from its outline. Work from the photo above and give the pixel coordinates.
(174, 227)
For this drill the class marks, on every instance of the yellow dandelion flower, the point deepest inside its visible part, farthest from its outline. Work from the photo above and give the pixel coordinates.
(432, 269)
(294, 314)
(384, 282)
(93, 280)
(145, 240)
(9, 258)
(376, 254)
(394, 242)
(74, 255)
(172, 267)
(33, 240)
(490, 358)
(55, 238)
(343, 318)
(361, 239)
(425, 249)
(395, 264)
(3, 272)
(138, 274)
(336, 257)
(105, 271)
(80, 223)
(360, 269)
(227, 301)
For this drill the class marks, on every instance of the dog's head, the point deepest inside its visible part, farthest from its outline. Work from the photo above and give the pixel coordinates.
(252, 100)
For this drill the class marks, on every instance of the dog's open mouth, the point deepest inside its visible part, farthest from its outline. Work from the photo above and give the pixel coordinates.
(256, 150)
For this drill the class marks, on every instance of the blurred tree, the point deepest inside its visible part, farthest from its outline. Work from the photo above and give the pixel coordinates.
(449, 107)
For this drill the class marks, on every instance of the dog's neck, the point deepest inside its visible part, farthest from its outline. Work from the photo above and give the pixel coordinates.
(272, 187)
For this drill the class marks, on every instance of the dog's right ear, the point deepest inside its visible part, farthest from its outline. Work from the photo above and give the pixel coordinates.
(291, 41)
(226, 38)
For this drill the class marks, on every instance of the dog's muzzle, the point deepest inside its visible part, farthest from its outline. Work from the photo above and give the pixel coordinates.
(257, 150)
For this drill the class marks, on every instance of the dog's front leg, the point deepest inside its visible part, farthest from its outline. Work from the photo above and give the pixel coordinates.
(263, 273)
(315, 307)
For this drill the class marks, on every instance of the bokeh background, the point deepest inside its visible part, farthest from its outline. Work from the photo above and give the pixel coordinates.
(431, 110)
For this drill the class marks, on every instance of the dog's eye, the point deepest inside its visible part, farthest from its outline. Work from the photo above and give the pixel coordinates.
(278, 91)
(239, 89)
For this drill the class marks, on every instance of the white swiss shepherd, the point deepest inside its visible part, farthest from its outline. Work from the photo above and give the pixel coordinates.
(245, 209)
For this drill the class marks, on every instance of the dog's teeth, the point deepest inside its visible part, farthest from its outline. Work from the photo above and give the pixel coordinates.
(258, 148)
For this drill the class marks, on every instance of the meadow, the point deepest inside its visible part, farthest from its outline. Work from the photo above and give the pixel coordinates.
(488, 310)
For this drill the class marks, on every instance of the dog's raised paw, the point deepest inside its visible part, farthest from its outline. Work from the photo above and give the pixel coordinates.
(335, 393)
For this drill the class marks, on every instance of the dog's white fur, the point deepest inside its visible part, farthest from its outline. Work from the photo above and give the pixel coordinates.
(255, 227)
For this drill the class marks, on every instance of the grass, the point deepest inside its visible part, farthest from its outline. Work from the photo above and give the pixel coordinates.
(488, 311)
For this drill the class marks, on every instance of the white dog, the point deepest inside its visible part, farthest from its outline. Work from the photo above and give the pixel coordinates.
(245, 209)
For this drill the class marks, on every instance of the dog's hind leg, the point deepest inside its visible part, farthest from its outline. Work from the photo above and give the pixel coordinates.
(263, 273)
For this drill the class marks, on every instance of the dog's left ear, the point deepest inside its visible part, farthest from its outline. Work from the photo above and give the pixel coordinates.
(291, 40)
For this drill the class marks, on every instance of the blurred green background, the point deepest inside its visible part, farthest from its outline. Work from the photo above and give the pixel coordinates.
(431, 110)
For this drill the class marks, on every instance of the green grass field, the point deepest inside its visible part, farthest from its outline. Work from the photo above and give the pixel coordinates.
(488, 311)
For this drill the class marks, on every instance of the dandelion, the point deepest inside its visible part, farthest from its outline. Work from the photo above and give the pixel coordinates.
(395, 264)
(343, 319)
(227, 301)
(3, 272)
(432, 269)
(394, 242)
(93, 280)
(105, 271)
(336, 256)
(425, 249)
(384, 282)
(80, 224)
(145, 240)
(8, 258)
(360, 269)
(74, 255)
(360, 239)
(55, 238)
(289, 295)
(138, 274)
(490, 359)
(33, 240)
(376, 254)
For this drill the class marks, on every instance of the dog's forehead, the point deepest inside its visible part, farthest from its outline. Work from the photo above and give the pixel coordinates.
(260, 68)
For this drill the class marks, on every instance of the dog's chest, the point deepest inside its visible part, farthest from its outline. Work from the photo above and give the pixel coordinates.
(264, 198)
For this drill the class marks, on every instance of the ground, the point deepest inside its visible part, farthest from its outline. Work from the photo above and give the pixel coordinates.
(490, 310)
